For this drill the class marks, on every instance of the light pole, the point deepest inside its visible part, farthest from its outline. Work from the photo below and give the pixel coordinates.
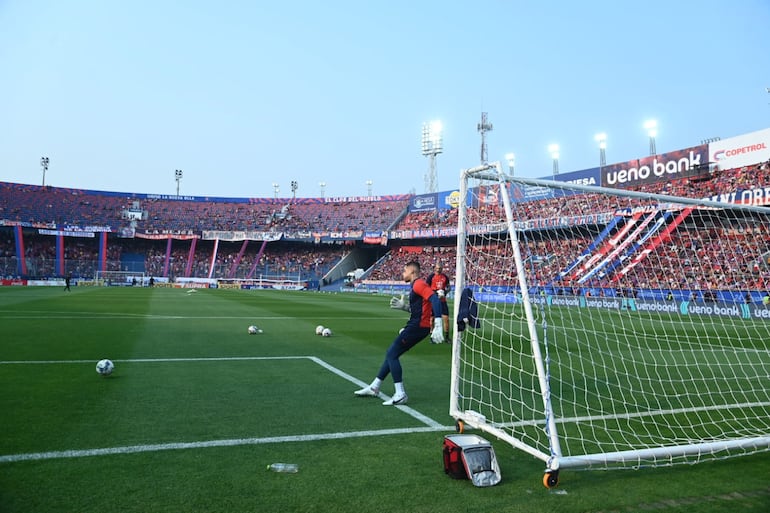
(178, 177)
(602, 140)
(432, 145)
(44, 164)
(483, 127)
(294, 186)
(553, 149)
(369, 188)
(511, 158)
(276, 188)
(322, 185)
(652, 130)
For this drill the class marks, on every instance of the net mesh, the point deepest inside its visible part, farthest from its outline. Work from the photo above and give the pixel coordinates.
(650, 318)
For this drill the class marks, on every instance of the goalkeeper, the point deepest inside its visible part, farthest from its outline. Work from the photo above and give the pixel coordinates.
(423, 304)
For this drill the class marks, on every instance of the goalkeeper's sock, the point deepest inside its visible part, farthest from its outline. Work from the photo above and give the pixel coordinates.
(399, 388)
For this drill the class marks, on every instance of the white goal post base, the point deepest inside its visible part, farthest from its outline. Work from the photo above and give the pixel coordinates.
(615, 328)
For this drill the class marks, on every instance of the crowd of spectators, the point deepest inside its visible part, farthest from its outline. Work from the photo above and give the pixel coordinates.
(391, 267)
(706, 256)
(73, 207)
(279, 260)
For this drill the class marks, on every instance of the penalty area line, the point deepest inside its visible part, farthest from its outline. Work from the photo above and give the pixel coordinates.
(133, 449)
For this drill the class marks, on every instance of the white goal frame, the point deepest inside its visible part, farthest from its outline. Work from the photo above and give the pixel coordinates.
(120, 278)
(550, 420)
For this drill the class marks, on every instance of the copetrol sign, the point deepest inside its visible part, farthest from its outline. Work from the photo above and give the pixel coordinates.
(744, 150)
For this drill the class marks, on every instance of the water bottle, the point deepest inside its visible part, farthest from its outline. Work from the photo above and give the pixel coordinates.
(284, 467)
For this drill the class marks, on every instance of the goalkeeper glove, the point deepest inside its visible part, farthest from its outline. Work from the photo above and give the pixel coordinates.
(437, 335)
(399, 303)
(441, 293)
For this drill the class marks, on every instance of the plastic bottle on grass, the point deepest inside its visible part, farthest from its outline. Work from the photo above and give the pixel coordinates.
(284, 467)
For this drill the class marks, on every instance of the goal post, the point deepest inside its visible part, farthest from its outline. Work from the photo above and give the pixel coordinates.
(119, 278)
(615, 328)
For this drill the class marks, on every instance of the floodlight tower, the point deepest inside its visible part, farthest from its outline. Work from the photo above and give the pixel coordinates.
(553, 149)
(178, 178)
(511, 158)
(432, 145)
(652, 131)
(322, 185)
(369, 184)
(602, 140)
(483, 127)
(276, 188)
(294, 186)
(44, 164)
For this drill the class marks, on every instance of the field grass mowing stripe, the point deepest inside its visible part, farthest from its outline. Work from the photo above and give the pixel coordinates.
(150, 360)
(419, 416)
(14, 458)
(431, 424)
(121, 315)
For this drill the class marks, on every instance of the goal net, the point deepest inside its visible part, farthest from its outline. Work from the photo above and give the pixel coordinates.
(120, 278)
(615, 329)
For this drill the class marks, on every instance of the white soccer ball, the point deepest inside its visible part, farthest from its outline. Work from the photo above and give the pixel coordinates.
(326, 332)
(105, 367)
(319, 330)
(253, 330)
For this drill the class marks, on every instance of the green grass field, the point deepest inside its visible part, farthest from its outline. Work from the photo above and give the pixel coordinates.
(197, 408)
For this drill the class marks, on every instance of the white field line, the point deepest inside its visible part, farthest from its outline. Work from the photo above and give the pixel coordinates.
(432, 425)
(13, 458)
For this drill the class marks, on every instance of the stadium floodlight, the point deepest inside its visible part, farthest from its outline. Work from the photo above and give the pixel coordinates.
(322, 185)
(602, 140)
(294, 186)
(652, 131)
(511, 158)
(553, 149)
(44, 164)
(276, 189)
(178, 178)
(369, 184)
(432, 145)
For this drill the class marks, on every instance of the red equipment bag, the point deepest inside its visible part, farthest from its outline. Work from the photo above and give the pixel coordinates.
(471, 457)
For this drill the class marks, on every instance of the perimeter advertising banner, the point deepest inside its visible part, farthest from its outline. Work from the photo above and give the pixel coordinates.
(744, 150)
(689, 162)
(423, 202)
(521, 193)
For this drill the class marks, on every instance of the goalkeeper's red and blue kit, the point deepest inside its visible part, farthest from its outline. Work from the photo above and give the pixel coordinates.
(423, 306)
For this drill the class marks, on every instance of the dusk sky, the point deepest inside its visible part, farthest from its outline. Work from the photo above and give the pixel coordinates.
(240, 95)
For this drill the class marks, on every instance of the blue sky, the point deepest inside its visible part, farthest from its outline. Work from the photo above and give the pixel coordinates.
(241, 94)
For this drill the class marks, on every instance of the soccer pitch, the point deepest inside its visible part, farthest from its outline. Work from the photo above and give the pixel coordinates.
(197, 408)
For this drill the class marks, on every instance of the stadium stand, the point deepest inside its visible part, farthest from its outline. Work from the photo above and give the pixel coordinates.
(35, 208)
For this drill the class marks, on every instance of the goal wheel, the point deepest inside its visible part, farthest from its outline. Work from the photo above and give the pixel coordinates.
(551, 479)
(459, 426)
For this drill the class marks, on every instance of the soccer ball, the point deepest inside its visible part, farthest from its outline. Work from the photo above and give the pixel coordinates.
(326, 332)
(319, 330)
(105, 367)
(253, 330)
